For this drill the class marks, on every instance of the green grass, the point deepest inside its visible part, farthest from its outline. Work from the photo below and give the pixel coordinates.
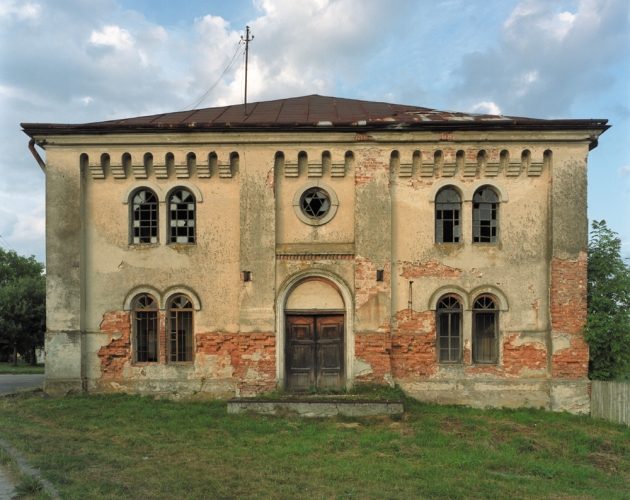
(134, 447)
(21, 368)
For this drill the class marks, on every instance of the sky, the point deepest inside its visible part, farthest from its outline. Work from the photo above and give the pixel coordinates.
(74, 61)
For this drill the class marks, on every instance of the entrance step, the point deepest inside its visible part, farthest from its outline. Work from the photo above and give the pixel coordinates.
(316, 407)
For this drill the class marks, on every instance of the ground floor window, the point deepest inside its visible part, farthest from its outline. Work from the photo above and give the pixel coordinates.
(484, 335)
(145, 328)
(449, 337)
(180, 328)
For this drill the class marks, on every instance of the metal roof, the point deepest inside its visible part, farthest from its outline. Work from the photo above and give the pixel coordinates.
(310, 112)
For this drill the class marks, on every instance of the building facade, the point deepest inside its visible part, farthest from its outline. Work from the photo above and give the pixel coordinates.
(317, 243)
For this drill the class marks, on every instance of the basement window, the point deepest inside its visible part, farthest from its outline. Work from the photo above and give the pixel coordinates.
(449, 329)
(448, 207)
(180, 329)
(181, 216)
(144, 217)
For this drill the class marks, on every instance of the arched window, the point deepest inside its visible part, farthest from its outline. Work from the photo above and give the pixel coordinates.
(485, 215)
(144, 217)
(485, 328)
(181, 216)
(145, 329)
(448, 207)
(449, 329)
(180, 328)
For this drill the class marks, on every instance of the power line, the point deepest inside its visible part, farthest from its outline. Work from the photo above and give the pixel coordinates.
(227, 68)
(6, 243)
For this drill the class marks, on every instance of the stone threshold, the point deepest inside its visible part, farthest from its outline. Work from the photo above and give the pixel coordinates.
(316, 407)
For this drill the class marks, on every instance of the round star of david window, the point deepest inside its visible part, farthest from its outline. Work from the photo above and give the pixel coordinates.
(315, 204)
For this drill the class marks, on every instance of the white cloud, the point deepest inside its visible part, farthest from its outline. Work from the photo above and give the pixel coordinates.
(112, 36)
(22, 11)
(624, 171)
(486, 107)
(537, 68)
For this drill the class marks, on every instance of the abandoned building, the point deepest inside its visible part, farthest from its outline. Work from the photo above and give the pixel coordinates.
(318, 243)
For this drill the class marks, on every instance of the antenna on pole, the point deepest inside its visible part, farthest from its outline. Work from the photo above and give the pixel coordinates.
(247, 39)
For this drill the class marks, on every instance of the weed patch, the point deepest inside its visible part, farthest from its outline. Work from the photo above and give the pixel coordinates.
(139, 447)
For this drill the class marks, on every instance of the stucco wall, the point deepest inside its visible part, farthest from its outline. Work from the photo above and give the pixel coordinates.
(246, 221)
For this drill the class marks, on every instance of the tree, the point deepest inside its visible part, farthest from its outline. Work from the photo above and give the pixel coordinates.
(608, 322)
(22, 305)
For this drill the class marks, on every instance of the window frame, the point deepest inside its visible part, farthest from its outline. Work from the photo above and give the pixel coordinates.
(135, 215)
(455, 220)
(141, 315)
(491, 223)
(172, 240)
(492, 310)
(444, 309)
(173, 321)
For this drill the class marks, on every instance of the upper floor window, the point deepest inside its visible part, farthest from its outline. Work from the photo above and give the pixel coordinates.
(449, 329)
(180, 328)
(484, 334)
(485, 215)
(145, 328)
(181, 210)
(144, 217)
(448, 207)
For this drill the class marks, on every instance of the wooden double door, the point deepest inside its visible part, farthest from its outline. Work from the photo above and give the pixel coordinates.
(314, 351)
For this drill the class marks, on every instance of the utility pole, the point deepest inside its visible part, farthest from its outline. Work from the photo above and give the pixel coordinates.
(247, 39)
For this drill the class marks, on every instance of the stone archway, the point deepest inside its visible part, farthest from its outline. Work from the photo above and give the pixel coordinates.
(319, 301)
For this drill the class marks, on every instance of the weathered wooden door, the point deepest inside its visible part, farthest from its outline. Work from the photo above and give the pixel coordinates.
(314, 352)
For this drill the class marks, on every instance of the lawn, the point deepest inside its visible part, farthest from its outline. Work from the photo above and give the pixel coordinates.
(134, 447)
(21, 368)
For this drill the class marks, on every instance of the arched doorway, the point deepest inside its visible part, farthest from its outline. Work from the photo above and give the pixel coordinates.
(313, 351)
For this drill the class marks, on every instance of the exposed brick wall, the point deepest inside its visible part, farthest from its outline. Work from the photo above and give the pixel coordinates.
(365, 282)
(374, 349)
(252, 357)
(367, 167)
(572, 362)
(568, 294)
(249, 358)
(413, 344)
(430, 268)
(117, 352)
(568, 316)
(519, 359)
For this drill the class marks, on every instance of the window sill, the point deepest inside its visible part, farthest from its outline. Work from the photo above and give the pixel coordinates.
(143, 246)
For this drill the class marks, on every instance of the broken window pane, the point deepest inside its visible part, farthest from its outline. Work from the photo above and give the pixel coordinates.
(447, 216)
(144, 217)
(485, 212)
(181, 216)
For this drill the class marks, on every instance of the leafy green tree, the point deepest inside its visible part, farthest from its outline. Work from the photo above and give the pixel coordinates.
(608, 323)
(22, 305)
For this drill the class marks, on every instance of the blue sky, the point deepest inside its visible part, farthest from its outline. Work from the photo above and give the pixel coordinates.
(72, 61)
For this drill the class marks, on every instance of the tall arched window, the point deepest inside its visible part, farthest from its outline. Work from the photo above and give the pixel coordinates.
(485, 215)
(449, 329)
(145, 329)
(144, 217)
(448, 207)
(181, 216)
(485, 329)
(180, 328)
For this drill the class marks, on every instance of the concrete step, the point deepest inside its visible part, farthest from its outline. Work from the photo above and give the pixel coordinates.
(316, 407)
